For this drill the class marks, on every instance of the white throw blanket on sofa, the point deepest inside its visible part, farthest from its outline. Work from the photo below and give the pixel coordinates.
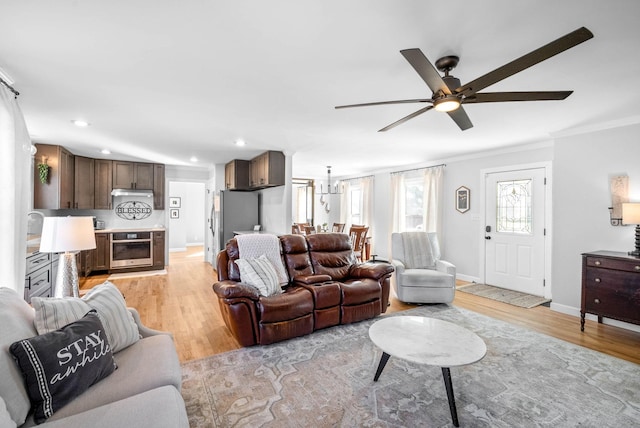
(417, 250)
(253, 245)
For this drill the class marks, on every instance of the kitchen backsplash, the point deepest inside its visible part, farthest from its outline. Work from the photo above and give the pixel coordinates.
(133, 213)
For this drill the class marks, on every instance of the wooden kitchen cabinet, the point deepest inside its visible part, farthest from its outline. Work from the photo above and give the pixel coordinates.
(102, 253)
(132, 175)
(58, 191)
(84, 190)
(236, 175)
(158, 186)
(158, 249)
(84, 260)
(267, 170)
(610, 286)
(103, 184)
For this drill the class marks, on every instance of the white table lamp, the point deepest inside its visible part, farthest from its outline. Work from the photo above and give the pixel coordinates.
(631, 215)
(67, 235)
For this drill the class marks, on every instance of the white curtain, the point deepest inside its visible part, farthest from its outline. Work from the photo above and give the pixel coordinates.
(398, 203)
(345, 203)
(15, 191)
(432, 211)
(366, 188)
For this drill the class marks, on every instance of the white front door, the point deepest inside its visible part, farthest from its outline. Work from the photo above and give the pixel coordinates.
(515, 230)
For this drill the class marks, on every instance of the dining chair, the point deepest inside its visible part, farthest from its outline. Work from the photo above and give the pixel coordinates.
(338, 227)
(309, 230)
(300, 228)
(358, 235)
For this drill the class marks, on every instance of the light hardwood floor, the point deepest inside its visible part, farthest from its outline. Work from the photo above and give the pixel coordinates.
(183, 302)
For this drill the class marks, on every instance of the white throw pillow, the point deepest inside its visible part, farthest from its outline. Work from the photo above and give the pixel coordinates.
(261, 274)
(54, 313)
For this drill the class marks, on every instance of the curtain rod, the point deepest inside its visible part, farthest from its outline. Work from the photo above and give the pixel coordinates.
(418, 169)
(357, 178)
(9, 87)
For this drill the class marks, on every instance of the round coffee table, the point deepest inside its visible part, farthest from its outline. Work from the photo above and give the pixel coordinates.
(427, 341)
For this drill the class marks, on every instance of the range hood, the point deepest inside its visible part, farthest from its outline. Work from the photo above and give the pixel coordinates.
(132, 192)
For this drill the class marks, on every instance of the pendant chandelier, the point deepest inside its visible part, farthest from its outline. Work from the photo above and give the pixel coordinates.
(331, 190)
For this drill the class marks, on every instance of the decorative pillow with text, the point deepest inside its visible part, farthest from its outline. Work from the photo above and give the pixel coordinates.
(106, 299)
(60, 365)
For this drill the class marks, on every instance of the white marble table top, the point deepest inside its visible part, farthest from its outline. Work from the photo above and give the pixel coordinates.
(427, 341)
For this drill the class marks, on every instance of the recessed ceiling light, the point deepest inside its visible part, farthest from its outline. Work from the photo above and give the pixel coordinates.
(193, 159)
(81, 123)
(105, 151)
(240, 143)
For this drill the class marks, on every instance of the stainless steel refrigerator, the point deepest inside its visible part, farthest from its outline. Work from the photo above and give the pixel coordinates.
(233, 211)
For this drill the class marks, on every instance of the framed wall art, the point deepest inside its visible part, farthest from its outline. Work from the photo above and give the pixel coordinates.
(174, 202)
(463, 199)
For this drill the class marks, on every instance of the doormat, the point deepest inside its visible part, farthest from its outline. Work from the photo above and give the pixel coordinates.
(511, 297)
(137, 274)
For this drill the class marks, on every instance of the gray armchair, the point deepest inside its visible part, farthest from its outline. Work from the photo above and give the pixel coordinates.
(420, 276)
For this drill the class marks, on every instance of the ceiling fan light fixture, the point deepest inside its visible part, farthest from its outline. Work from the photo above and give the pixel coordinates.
(446, 104)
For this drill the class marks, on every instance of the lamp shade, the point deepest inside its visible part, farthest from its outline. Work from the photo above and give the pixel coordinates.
(631, 213)
(61, 234)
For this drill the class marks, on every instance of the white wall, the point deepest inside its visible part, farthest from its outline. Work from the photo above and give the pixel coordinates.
(582, 167)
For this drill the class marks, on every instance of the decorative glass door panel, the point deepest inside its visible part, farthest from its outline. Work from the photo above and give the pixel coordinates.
(513, 206)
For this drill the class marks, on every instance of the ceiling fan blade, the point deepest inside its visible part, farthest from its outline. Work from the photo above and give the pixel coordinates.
(404, 119)
(426, 70)
(461, 119)
(545, 52)
(494, 97)
(423, 100)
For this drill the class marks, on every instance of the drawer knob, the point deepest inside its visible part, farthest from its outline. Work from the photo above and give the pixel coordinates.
(597, 263)
(597, 280)
(596, 300)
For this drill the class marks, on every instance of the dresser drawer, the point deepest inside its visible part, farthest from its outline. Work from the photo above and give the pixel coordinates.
(611, 302)
(606, 263)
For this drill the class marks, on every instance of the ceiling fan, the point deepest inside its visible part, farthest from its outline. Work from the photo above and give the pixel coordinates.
(448, 95)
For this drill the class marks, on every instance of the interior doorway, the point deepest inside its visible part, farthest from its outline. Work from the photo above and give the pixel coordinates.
(186, 214)
(515, 236)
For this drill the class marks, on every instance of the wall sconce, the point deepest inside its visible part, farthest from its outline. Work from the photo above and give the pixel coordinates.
(631, 215)
(619, 195)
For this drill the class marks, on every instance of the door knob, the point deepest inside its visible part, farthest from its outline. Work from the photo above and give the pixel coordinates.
(487, 237)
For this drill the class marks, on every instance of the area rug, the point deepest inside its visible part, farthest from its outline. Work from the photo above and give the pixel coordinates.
(512, 297)
(125, 275)
(326, 380)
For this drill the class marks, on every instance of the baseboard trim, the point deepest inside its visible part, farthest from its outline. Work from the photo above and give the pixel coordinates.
(570, 310)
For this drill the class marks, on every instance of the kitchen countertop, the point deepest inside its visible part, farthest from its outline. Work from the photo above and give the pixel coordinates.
(131, 229)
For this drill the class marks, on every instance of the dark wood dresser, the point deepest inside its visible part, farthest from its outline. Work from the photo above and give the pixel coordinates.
(610, 286)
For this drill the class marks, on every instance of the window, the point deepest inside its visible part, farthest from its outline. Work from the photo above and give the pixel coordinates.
(414, 203)
(356, 206)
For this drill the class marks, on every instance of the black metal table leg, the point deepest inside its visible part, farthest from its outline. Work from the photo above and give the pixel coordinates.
(452, 401)
(383, 362)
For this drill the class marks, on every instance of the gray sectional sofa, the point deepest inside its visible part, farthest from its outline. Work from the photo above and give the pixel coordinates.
(144, 390)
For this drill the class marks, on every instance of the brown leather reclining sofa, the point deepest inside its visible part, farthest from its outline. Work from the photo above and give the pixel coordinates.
(326, 287)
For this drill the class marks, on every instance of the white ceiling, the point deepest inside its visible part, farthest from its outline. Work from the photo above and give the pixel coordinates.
(164, 80)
